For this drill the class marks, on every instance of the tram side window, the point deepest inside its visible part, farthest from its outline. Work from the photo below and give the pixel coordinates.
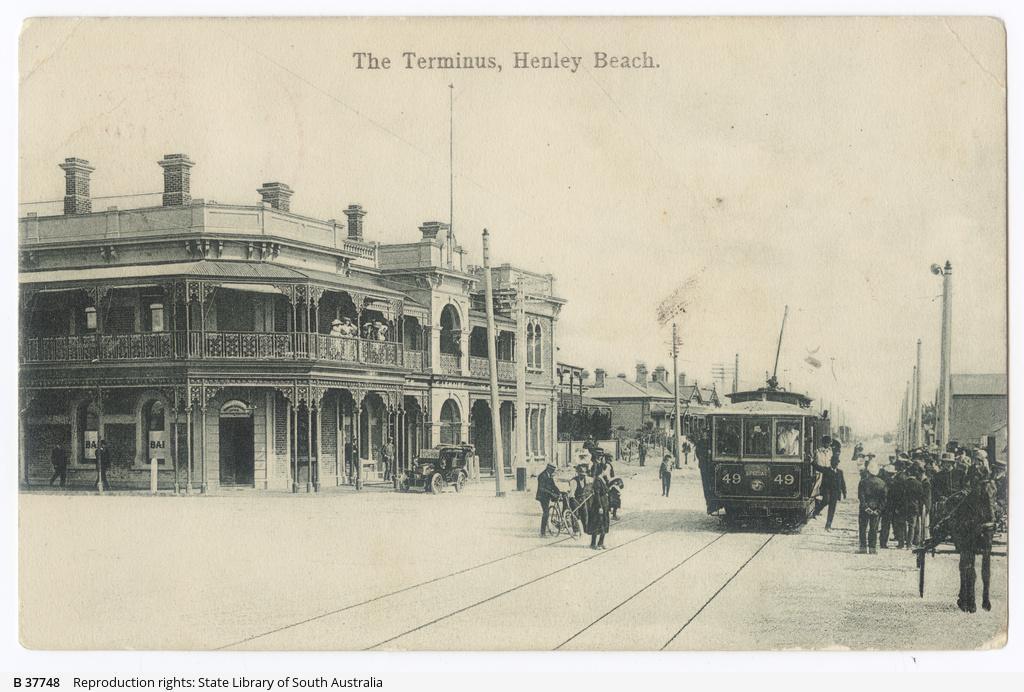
(727, 438)
(787, 438)
(757, 436)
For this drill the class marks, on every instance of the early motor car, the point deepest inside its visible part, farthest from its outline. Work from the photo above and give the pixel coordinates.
(438, 467)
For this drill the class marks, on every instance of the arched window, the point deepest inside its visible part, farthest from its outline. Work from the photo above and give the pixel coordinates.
(529, 345)
(538, 359)
(451, 423)
(451, 331)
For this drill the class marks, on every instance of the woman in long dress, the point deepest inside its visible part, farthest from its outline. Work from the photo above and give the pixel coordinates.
(598, 509)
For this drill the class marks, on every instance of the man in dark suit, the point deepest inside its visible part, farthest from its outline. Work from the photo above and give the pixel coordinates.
(871, 492)
(836, 492)
(102, 466)
(547, 491)
(643, 453)
(59, 459)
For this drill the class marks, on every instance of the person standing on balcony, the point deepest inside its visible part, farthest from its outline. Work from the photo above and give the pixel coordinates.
(337, 331)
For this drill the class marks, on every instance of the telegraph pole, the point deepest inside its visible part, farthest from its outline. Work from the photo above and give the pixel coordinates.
(736, 375)
(521, 349)
(945, 378)
(917, 398)
(497, 453)
(675, 389)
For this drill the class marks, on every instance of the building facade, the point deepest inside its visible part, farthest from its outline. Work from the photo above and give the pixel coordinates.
(245, 345)
(646, 402)
(978, 409)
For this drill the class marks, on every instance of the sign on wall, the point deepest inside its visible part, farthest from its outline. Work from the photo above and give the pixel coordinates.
(92, 438)
(157, 448)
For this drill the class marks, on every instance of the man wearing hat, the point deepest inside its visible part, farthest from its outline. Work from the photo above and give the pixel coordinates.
(872, 494)
(547, 491)
(973, 522)
(885, 521)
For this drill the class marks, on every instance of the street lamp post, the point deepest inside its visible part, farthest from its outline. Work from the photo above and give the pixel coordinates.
(946, 272)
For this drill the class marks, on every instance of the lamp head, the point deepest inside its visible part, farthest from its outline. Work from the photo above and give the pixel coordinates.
(936, 269)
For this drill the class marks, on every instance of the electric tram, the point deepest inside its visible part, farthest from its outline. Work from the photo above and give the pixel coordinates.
(759, 460)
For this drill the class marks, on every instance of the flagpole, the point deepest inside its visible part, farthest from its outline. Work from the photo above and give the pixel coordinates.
(451, 171)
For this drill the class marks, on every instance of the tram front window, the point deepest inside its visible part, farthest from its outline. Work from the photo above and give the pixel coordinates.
(787, 438)
(757, 437)
(727, 438)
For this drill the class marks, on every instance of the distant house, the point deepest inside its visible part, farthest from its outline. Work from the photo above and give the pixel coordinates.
(646, 402)
(978, 408)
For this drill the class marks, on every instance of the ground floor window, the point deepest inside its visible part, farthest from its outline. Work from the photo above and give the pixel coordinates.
(451, 423)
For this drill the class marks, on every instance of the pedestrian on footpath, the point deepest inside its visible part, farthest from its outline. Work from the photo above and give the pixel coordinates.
(643, 453)
(836, 492)
(579, 491)
(102, 466)
(871, 492)
(885, 525)
(598, 510)
(59, 459)
(547, 492)
(665, 472)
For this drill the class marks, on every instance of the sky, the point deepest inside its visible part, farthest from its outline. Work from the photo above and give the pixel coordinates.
(820, 164)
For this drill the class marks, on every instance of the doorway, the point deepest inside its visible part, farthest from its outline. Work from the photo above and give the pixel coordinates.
(237, 461)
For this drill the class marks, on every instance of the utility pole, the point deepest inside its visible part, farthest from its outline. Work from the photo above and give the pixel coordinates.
(675, 379)
(736, 375)
(945, 377)
(521, 350)
(497, 453)
(917, 398)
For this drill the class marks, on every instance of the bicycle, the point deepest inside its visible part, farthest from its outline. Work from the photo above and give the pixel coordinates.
(563, 519)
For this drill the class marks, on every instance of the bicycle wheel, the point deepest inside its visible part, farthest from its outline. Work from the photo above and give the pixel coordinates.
(571, 523)
(555, 522)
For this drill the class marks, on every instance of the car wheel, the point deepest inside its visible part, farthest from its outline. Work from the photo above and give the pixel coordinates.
(460, 482)
(436, 483)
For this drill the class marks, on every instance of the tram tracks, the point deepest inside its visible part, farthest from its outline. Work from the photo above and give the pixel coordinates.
(718, 591)
(419, 585)
(390, 600)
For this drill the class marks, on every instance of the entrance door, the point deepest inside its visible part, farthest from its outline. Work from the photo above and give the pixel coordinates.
(236, 451)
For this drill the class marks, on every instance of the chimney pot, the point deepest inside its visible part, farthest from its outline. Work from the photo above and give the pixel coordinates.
(177, 184)
(431, 229)
(277, 195)
(76, 186)
(355, 214)
(599, 374)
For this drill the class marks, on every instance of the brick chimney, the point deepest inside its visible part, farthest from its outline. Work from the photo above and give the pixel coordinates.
(355, 214)
(660, 375)
(682, 379)
(277, 195)
(177, 189)
(599, 374)
(431, 229)
(641, 373)
(76, 186)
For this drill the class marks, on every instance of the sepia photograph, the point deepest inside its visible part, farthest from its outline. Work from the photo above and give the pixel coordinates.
(643, 334)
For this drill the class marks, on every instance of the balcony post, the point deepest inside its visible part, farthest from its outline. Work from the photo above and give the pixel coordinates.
(188, 443)
(309, 443)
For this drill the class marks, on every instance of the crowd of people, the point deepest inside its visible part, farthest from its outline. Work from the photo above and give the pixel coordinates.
(921, 498)
(372, 331)
(594, 495)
